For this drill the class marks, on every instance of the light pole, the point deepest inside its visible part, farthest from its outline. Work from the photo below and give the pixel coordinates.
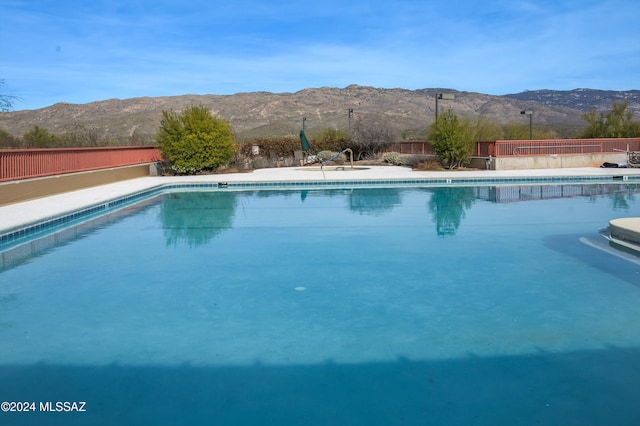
(303, 120)
(350, 113)
(444, 97)
(530, 114)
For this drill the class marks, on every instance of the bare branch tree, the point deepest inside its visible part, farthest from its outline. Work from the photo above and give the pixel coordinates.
(371, 134)
(6, 101)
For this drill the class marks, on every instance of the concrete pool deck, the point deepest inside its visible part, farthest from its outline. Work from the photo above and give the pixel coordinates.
(20, 214)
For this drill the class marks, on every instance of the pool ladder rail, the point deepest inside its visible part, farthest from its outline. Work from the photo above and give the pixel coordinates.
(336, 156)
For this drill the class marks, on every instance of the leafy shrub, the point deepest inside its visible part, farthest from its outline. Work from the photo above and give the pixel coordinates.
(393, 158)
(617, 123)
(330, 139)
(412, 160)
(328, 155)
(428, 166)
(244, 150)
(195, 140)
(326, 145)
(286, 145)
(7, 140)
(282, 146)
(452, 139)
(39, 137)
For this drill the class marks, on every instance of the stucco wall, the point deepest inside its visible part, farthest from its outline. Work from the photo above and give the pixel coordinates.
(22, 190)
(548, 161)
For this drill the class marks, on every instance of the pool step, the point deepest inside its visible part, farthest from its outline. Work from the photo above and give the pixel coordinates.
(626, 229)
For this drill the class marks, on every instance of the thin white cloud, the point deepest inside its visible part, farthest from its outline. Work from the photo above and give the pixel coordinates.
(80, 52)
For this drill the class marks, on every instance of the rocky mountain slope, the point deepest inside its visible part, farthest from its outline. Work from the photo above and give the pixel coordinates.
(581, 99)
(263, 114)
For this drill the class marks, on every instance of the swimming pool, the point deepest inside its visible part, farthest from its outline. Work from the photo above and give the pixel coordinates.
(365, 305)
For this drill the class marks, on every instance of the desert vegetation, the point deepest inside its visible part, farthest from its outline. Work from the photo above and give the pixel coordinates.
(266, 134)
(75, 135)
(194, 140)
(616, 123)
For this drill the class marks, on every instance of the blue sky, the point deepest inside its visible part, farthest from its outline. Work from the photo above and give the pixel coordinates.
(83, 51)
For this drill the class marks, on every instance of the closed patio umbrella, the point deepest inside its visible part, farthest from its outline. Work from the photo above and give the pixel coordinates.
(304, 141)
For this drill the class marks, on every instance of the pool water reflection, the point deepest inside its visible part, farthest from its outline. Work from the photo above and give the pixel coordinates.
(439, 305)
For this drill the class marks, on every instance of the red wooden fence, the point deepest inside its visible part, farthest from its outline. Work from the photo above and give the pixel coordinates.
(29, 163)
(412, 147)
(515, 148)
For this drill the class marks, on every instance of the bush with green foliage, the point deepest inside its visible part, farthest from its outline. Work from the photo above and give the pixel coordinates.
(330, 139)
(281, 146)
(335, 157)
(285, 146)
(7, 140)
(452, 139)
(617, 123)
(394, 158)
(195, 140)
(487, 130)
(519, 131)
(39, 137)
(76, 135)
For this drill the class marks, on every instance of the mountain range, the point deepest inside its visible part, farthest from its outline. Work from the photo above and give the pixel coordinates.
(264, 114)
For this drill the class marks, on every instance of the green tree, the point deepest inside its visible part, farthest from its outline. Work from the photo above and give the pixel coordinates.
(621, 121)
(487, 130)
(187, 217)
(39, 137)
(194, 140)
(617, 123)
(519, 131)
(448, 206)
(452, 138)
(596, 124)
(7, 140)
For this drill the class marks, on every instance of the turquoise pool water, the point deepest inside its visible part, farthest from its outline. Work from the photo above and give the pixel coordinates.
(421, 305)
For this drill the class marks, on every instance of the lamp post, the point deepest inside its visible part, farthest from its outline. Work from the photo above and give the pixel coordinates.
(350, 113)
(444, 97)
(303, 120)
(530, 114)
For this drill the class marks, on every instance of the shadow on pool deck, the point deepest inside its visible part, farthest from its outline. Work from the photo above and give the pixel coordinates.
(598, 387)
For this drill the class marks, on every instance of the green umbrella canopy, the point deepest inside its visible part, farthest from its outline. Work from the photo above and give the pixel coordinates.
(304, 141)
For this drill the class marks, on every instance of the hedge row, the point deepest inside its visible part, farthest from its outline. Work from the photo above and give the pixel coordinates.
(285, 146)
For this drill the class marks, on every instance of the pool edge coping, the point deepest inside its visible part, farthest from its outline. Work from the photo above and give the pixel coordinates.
(35, 225)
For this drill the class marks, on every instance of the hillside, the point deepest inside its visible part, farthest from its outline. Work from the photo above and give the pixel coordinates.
(276, 114)
(581, 99)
